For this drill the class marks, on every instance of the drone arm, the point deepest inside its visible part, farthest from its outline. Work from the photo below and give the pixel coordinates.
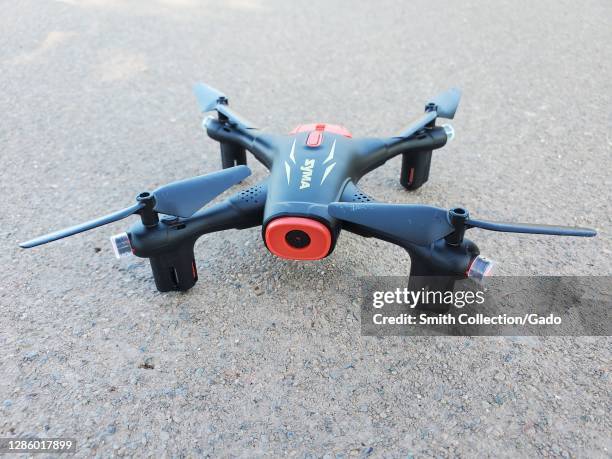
(353, 194)
(436, 259)
(169, 244)
(255, 141)
(434, 267)
(373, 153)
(242, 210)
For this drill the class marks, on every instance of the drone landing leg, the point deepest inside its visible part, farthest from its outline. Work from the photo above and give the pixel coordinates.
(169, 243)
(415, 169)
(232, 155)
(176, 269)
(436, 268)
(424, 279)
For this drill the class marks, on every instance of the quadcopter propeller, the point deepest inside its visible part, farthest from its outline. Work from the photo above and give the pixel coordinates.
(210, 99)
(444, 105)
(181, 199)
(422, 225)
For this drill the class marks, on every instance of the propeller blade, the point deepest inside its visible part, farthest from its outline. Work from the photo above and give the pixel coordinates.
(120, 215)
(422, 225)
(234, 118)
(446, 103)
(414, 223)
(185, 197)
(417, 125)
(181, 199)
(530, 228)
(445, 107)
(208, 97)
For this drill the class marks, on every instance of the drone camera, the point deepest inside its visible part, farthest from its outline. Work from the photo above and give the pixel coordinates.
(298, 238)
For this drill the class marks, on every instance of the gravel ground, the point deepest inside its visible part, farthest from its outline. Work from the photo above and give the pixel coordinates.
(263, 357)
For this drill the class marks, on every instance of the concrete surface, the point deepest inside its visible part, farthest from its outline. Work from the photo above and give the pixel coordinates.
(263, 357)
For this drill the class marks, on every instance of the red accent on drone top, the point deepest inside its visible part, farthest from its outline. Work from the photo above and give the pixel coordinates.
(333, 128)
(314, 138)
(276, 238)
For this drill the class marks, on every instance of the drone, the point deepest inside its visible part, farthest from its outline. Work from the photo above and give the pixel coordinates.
(309, 197)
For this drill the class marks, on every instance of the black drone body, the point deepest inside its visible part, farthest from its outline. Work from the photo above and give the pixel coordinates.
(310, 195)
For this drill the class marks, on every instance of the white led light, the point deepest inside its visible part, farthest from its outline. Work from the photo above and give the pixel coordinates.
(450, 132)
(121, 245)
(207, 120)
(480, 268)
